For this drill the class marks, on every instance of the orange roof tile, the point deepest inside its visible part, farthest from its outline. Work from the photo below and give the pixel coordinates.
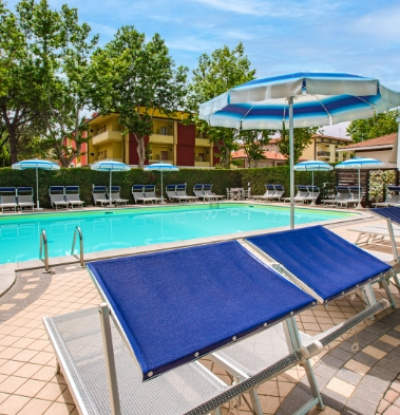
(270, 155)
(385, 140)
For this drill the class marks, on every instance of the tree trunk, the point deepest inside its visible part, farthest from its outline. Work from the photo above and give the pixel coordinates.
(141, 149)
(12, 136)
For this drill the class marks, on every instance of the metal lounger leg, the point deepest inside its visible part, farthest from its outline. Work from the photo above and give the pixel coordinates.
(109, 357)
(296, 344)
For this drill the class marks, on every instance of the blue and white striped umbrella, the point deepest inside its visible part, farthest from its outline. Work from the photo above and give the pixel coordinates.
(313, 165)
(358, 163)
(298, 100)
(110, 166)
(36, 164)
(161, 167)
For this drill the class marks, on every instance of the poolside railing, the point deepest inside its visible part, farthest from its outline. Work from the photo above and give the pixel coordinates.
(79, 232)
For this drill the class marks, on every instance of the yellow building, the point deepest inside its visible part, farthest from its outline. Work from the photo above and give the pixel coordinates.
(171, 142)
(323, 148)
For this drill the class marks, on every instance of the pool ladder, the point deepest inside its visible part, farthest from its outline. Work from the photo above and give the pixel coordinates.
(44, 246)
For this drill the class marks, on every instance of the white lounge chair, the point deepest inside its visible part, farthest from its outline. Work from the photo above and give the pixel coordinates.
(269, 192)
(57, 199)
(177, 193)
(392, 197)
(25, 198)
(150, 193)
(205, 193)
(356, 194)
(144, 193)
(72, 196)
(300, 196)
(279, 191)
(342, 195)
(115, 195)
(8, 198)
(100, 196)
(313, 193)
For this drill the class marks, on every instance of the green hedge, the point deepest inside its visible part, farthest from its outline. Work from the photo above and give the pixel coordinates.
(221, 179)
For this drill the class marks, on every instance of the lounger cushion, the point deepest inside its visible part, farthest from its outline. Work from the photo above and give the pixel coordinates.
(214, 278)
(392, 213)
(324, 261)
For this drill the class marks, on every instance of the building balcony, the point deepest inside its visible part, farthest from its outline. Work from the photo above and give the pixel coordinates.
(153, 161)
(107, 137)
(202, 142)
(201, 164)
(162, 139)
(323, 153)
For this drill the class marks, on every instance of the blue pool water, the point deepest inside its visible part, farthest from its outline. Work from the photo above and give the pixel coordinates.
(122, 228)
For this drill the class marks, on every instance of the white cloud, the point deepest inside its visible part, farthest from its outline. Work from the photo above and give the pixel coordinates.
(383, 24)
(283, 8)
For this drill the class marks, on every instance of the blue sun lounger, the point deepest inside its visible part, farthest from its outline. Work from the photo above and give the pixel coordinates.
(323, 263)
(169, 308)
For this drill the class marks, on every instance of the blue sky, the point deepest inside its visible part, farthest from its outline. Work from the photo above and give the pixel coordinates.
(280, 36)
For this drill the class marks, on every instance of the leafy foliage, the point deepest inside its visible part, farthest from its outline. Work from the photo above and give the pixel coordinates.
(377, 126)
(44, 77)
(253, 144)
(215, 74)
(302, 139)
(135, 79)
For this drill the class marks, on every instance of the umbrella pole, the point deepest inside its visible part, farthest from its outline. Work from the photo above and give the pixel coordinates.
(162, 188)
(110, 188)
(359, 190)
(313, 203)
(291, 161)
(37, 189)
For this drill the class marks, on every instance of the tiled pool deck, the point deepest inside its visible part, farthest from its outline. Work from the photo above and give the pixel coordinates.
(360, 382)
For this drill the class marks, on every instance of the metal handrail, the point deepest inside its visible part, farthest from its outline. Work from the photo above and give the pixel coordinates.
(44, 245)
(79, 231)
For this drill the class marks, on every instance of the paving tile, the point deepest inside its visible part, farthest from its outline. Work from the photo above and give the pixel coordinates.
(11, 384)
(13, 404)
(341, 387)
(30, 388)
(357, 367)
(390, 340)
(348, 376)
(359, 406)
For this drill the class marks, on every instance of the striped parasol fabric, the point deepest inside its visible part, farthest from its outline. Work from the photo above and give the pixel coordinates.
(296, 101)
(36, 164)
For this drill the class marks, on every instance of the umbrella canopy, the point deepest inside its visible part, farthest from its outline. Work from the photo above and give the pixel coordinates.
(299, 100)
(161, 167)
(36, 164)
(313, 165)
(110, 166)
(360, 163)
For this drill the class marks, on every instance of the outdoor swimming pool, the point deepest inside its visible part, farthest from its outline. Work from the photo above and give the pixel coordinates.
(123, 228)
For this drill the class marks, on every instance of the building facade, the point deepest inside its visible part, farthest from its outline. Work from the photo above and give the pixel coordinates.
(324, 148)
(384, 148)
(172, 142)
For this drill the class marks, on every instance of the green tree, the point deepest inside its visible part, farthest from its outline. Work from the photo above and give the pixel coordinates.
(302, 139)
(377, 126)
(62, 52)
(253, 144)
(137, 79)
(17, 82)
(215, 74)
(44, 76)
